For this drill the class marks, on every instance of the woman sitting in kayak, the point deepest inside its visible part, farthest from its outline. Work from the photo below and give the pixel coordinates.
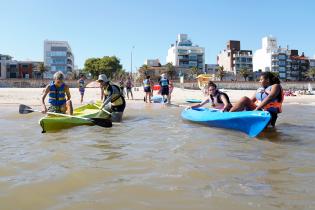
(58, 92)
(218, 99)
(268, 97)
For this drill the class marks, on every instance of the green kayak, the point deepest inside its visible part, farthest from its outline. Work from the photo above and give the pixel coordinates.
(54, 123)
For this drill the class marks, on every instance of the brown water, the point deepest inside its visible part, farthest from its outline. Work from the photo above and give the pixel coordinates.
(154, 160)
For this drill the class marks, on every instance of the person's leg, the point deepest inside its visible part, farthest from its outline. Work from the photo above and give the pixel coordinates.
(243, 103)
(128, 93)
(82, 95)
(131, 94)
(69, 107)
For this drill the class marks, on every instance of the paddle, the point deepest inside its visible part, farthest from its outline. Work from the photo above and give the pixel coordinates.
(188, 107)
(180, 105)
(106, 123)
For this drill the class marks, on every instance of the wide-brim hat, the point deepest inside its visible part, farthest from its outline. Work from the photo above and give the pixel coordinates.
(102, 77)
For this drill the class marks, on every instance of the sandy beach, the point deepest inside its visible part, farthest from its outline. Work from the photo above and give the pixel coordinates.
(31, 96)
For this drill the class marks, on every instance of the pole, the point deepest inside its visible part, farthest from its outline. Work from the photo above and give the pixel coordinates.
(131, 60)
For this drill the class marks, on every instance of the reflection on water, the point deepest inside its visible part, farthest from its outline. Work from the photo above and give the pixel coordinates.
(154, 160)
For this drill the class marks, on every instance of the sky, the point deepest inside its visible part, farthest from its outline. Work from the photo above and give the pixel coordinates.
(97, 28)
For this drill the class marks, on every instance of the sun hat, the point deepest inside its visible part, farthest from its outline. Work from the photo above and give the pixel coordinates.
(102, 77)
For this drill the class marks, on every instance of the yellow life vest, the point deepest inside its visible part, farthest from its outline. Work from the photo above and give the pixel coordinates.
(114, 90)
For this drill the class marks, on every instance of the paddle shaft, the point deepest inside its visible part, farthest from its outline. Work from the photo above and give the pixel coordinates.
(63, 115)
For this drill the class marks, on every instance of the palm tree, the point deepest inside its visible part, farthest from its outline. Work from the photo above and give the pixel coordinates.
(244, 72)
(310, 74)
(170, 70)
(143, 72)
(194, 71)
(42, 68)
(220, 72)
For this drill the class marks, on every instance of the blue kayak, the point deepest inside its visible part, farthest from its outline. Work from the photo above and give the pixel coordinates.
(249, 122)
(193, 100)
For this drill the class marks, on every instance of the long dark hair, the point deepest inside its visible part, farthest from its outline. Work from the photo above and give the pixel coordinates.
(273, 79)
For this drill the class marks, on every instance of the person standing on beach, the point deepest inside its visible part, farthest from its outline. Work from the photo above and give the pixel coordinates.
(59, 96)
(122, 86)
(218, 99)
(129, 86)
(147, 89)
(81, 84)
(111, 93)
(164, 83)
(269, 97)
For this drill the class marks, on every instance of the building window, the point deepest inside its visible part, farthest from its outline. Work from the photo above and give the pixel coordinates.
(282, 63)
(281, 69)
(282, 57)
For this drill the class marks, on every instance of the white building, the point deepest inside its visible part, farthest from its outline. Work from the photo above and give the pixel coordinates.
(152, 62)
(4, 61)
(57, 57)
(184, 54)
(312, 62)
(211, 68)
(262, 57)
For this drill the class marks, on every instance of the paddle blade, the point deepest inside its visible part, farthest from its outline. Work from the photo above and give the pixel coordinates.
(23, 109)
(106, 123)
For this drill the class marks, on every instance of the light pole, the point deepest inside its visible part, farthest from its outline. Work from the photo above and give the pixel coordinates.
(131, 60)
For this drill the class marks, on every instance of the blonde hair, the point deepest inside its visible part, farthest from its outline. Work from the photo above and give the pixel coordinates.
(59, 76)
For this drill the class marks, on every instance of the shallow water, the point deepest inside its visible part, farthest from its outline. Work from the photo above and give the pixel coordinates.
(154, 160)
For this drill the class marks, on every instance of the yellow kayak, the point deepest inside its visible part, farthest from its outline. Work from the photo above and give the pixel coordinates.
(53, 123)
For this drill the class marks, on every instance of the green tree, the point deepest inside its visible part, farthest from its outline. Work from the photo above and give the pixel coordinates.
(91, 66)
(42, 69)
(170, 70)
(275, 73)
(244, 72)
(220, 72)
(310, 74)
(108, 65)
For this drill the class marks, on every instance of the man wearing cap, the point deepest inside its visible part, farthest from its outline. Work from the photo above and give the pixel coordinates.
(111, 93)
(164, 83)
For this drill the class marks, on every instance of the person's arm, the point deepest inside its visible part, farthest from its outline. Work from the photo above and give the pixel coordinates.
(253, 98)
(102, 94)
(108, 98)
(201, 104)
(67, 90)
(45, 92)
(275, 90)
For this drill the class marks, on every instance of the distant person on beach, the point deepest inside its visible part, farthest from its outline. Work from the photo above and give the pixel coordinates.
(59, 96)
(164, 83)
(218, 99)
(122, 86)
(147, 89)
(112, 94)
(152, 87)
(268, 97)
(81, 85)
(129, 86)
